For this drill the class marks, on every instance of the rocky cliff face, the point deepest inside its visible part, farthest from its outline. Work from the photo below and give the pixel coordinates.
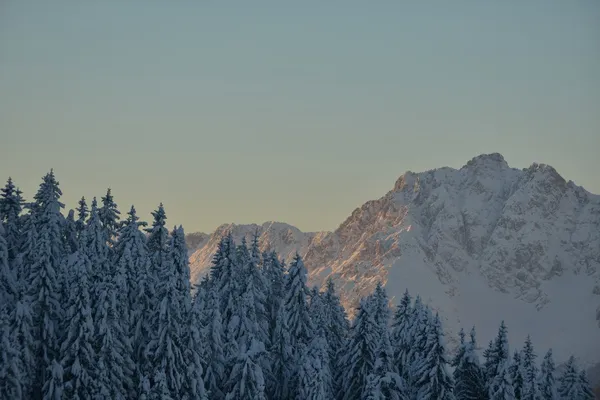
(482, 243)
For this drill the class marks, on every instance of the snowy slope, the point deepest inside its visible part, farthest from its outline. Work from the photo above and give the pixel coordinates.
(482, 243)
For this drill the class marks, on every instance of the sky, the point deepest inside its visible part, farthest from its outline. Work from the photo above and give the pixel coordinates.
(289, 111)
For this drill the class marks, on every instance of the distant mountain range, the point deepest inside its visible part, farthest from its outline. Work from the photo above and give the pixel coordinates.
(481, 244)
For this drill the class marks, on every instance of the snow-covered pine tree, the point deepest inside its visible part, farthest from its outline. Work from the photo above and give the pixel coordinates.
(530, 390)
(70, 233)
(77, 356)
(359, 359)
(157, 242)
(227, 277)
(500, 384)
(400, 335)
(381, 305)
(314, 375)
(586, 389)
(296, 305)
(53, 388)
(546, 380)
(96, 247)
(254, 275)
(433, 381)
(421, 321)
(191, 337)
(569, 384)
(246, 379)
(131, 257)
(182, 271)
(166, 349)
(21, 316)
(469, 382)
(8, 278)
(385, 382)
(112, 342)
(43, 279)
(336, 333)
(11, 375)
(82, 215)
(213, 342)
(109, 216)
(517, 375)
(489, 362)
(160, 388)
(282, 360)
(274, 273)
(11, 205)
(219, 259)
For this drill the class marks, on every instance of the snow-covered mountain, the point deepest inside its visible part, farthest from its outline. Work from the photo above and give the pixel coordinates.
(482, 244)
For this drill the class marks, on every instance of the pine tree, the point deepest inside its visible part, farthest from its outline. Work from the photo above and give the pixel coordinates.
(53, 388)
(8, 279)
(116, 368)
(434, 381)
(546, 381)
(400, 335)
(195, 351)
(78, 359)
(136, 297)
(336, 333)
(21, 335)
(11, 375)
(109, 216)
(213, 337)
(70, 233)
(296, 306)
(586, 388)
(385, 382)
(361, 353)
(246, 381)
(43, 280)
(517, 375)
(500, 382)
(530, 372)
(314, 375)
(382, 311)
(282, 359)
(82, 215)
(469, 382)
(166, 351)
(96, 247)
(569, 382)
(182, 271)
(274, 273)
(253, 274)
(158, 239)
(11, 205)
(421, 325)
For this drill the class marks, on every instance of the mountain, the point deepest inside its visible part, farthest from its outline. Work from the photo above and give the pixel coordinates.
(481, 244)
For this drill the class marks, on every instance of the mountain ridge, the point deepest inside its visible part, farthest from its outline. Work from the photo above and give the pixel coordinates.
(523, 242)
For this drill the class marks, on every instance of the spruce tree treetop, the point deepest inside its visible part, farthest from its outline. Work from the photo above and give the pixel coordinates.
(299, 321)
(547, 382)
(158, 237)
(82, 212)
(11, 205)
(109, 216)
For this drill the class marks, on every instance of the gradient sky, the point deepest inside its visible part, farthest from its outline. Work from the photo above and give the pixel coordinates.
(251, 111)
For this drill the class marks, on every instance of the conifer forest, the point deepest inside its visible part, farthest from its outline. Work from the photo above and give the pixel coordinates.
(96, 304)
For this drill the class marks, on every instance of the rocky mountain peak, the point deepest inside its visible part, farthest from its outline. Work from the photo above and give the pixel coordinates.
(482, 243)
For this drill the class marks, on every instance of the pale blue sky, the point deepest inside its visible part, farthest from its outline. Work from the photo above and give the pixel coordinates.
(292, 111)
